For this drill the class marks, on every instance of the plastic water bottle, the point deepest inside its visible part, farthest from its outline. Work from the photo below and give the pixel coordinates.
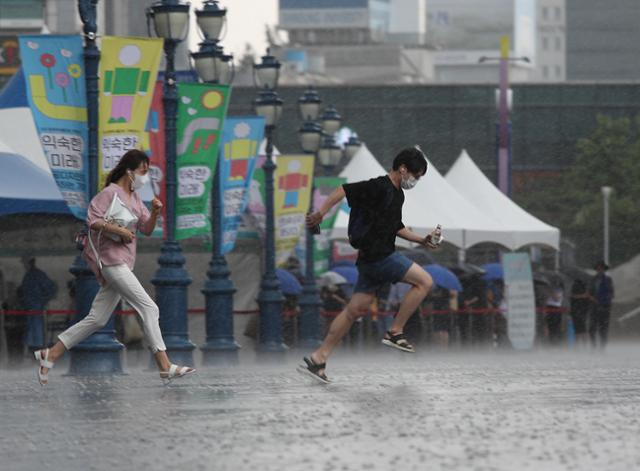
(437, 235)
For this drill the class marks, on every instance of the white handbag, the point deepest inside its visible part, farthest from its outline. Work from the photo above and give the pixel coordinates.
(119, 215)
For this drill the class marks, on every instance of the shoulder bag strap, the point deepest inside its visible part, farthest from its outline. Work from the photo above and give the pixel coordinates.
(96, 252)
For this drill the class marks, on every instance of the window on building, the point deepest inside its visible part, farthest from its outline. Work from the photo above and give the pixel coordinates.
(558, 14)
(545, 72)
(558, 43)
(545, 13)
(558, 71)
(545, 43)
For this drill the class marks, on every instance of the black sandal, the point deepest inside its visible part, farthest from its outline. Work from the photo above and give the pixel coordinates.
(398, 341)
(313, 369)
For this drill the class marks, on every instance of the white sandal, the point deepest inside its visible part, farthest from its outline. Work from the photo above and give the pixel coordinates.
(174, 372)
(43, 378)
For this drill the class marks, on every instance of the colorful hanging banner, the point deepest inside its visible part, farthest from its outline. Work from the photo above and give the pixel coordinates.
(292, 184)
(54, 74)
(156, 153)
(324, 186)
(201, 111)
(128, 68)
(241, 138)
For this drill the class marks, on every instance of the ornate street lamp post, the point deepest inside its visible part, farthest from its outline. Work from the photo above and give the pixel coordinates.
(352, 146)
(100, 353)
(270, 299)
(213, 66)
(310, 138)
(170, 19)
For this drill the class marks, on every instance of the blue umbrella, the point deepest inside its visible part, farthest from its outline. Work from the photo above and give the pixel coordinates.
(493, 271)
(349, 273)
(443, 277)
(289, 284)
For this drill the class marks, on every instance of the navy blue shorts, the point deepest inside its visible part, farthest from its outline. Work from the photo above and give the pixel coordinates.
(373, 275)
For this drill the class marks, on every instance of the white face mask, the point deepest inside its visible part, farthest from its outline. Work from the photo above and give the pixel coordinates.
(139, 181)
(408, 182)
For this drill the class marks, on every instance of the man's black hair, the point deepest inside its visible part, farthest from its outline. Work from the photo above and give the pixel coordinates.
(413, 158)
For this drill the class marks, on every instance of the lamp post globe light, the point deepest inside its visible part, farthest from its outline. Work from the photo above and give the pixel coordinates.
(309, 105)
(352, 146)
(310, 135)
(270, 299)
(170, 20)
(329, 154)
(213, 66)
(100, 353)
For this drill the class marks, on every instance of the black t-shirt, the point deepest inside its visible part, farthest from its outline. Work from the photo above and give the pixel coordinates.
(579, 305)
(371, 195)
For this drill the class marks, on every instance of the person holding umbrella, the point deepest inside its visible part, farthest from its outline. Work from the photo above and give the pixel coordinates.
(374, 223)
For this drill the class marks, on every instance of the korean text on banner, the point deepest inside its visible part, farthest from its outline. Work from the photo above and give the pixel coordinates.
(520, 301)
(292, 181)
(241, 138)
(201, 111)
(55, 81)
(324, 186)
(128, 69)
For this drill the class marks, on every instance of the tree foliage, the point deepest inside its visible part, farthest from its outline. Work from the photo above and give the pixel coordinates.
(610, 156)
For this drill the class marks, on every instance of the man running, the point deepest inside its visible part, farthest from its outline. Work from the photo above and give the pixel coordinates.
(375, 221)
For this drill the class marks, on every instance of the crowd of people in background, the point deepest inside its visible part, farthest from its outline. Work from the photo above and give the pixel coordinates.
(570, 311)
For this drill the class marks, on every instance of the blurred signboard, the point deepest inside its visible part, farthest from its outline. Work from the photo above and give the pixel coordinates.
(332, 14)
(463, 30)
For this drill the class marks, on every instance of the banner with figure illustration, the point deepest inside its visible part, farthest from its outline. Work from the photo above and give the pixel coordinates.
(54, 74)
(128, 69)
(201, 111)
(292, 194)
(324, 186)
(241, 138)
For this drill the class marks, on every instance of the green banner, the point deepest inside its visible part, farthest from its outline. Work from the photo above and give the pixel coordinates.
(324, 186)
(201, 111)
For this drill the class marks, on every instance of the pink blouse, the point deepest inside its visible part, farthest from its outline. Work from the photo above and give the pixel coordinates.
(111, 252)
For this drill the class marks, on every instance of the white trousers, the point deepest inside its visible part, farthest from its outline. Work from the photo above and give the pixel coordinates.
(121, 283)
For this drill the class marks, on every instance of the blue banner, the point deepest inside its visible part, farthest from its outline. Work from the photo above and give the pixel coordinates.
(241, 137)
(54, 75)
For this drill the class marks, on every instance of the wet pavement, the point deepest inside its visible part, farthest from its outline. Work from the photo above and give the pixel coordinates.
(385, 410)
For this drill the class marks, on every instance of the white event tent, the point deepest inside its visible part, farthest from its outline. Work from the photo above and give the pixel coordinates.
(433, 201)
(477, 189)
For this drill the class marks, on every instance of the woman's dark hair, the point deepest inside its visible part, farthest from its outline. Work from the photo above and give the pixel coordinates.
(131, 160)
(413, 158)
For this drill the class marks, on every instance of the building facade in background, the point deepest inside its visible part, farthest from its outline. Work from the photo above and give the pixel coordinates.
(355, 41)
(464, 31)
(422, 41)
(603, 39)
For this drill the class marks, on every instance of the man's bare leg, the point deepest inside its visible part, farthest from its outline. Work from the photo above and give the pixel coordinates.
(358, 305)
(422, 283)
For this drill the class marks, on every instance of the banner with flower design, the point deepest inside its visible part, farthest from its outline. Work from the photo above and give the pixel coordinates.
(54, 74)
(128, 68)
(201, 111)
